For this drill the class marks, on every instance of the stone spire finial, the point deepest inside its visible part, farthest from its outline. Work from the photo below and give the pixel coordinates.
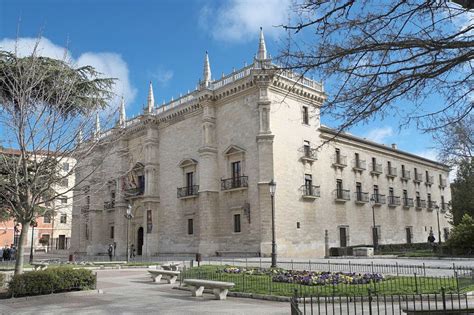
(151, 100)
(207, 70)
(97, 126)
(122, 116)
(262, 49)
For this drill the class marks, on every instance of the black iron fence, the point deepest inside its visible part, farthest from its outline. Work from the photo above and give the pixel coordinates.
(439, 303)
(261, 282)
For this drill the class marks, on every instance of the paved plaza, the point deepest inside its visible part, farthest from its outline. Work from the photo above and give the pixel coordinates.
(133, 292)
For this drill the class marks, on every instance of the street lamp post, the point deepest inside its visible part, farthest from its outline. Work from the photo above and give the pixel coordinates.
(128, 216)
(439, 229)
(374, 230)
(33, 224)
(272, 186)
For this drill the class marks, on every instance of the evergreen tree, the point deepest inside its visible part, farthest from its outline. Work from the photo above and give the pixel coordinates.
(462, 201)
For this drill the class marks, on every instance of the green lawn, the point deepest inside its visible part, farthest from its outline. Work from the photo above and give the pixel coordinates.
(263, 284)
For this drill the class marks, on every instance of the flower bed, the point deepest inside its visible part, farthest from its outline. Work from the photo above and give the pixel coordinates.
(309, 277)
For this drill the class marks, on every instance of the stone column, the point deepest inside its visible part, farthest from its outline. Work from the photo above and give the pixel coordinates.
(265, 161)
(120, 222)
(151, 200)
(209, 178)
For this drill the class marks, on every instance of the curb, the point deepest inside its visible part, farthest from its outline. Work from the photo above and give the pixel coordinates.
(64, 294)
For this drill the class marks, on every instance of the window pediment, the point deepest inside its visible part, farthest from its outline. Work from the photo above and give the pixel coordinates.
(187, 162)
(233, 149)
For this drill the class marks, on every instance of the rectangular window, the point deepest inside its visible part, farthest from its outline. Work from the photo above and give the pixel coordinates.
(374, 164)
(47, 218)
(236, 169)
(357, 159)
(190, 226)
(409, 234)
(64, 182)
(416, 174)
(305, 115)
(237, 223)
(427, 176)
(443, 205)
(376, 193)
(339, 188)
(405, 198)
(63, 200)
(418, 200)
(298, 225)
(359, 191)
(63, 218)
(429, 200)
(307, 149)
(87, 231)
(343, 236)
(338, 156)
(390, 192)
(189, 179)
(403, 170)
(112, 232)
(66, 167)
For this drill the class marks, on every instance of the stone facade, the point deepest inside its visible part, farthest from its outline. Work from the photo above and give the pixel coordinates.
(196, 171)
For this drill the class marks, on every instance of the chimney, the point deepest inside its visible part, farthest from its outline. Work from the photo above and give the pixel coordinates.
(394, 146)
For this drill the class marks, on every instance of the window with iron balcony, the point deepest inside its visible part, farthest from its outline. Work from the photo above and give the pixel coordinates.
(341, 194)
(339, 160)
(405, 174)
(359, 164)
(375, 168)
(429, 179)
(391, 171)
(418, 176)
(309, 153)
(442, 181)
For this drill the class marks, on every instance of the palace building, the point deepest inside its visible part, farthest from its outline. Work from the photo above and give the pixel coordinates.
(196, 172)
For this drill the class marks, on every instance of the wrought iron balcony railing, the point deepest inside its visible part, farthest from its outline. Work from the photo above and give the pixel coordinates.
(188, 191)
(359, 165)
(393, 201)
(137, 191)
(444, 206)
(309, 154)
(376, 168)
(429, 180)
(342, 194)
(408, 202)
(432, 204)
(361, 197)
(418, 177)
(378, 199)
(405, 175)
(420, 203)
(391, 171)
(311, 191)
(442, 182)
(234, 182)
(109, 204)
(339, 160)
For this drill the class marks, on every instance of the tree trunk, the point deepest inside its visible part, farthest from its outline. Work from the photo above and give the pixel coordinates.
(20, 254)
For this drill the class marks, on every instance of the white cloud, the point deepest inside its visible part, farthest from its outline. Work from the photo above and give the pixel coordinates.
(162, 76)
(109, 64)
(379, 134)
(236, 19)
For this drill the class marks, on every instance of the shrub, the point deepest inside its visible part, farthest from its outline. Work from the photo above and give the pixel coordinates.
(461, 238)
(52, 280)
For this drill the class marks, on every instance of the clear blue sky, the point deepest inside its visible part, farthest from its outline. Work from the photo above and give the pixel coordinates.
(165, 42)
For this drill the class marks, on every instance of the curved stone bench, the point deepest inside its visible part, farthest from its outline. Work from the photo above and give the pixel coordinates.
(219, 288)
(170, 275)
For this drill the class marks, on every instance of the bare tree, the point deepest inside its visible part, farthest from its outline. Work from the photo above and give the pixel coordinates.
(455, 143)
(45, 107)
(387, 58)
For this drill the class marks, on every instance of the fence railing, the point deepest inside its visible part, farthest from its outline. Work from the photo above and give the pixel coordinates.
(439, 303)
(267, 284)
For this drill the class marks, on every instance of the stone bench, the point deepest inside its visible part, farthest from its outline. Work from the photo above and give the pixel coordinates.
(171, 266)
(219, 288)
(40, 265)
(170, 275)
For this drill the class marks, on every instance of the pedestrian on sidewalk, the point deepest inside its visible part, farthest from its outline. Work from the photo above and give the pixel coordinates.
(110, 251)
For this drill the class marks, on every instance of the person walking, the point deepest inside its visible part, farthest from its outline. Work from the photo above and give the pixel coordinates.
(110, 251)
(132, 251)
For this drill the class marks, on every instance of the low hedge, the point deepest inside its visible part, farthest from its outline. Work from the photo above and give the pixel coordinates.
(52, 280)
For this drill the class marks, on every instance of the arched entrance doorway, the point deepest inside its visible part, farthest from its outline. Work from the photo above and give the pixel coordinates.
(139, 241)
